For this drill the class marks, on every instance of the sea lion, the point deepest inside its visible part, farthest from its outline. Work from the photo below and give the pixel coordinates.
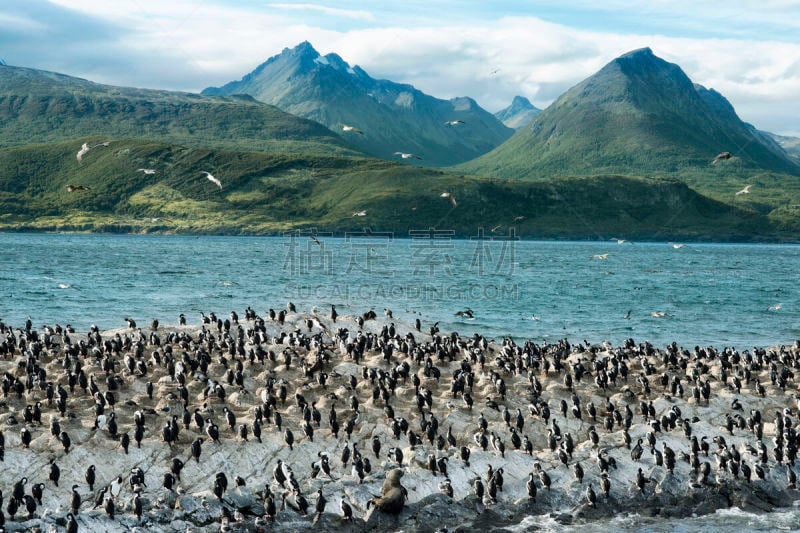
(393, 494)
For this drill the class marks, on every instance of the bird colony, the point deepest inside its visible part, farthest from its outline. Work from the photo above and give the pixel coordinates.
(296, 421)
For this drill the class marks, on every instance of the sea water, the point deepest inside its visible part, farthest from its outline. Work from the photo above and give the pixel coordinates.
(733, 519)
(740, 295)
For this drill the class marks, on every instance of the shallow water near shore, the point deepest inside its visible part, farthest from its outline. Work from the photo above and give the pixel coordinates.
(732, 519)
(719, 294)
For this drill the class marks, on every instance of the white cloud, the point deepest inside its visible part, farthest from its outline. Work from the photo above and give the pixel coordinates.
(541, 60)
(13, 23)
(189, 45)
(333, 11)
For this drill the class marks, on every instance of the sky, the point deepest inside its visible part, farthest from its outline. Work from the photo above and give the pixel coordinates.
(747, 50)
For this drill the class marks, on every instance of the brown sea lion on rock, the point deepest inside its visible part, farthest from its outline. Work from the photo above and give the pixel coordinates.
(393, 494)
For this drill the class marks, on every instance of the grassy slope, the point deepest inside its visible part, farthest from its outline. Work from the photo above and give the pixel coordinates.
(39, 107)
(267, 193)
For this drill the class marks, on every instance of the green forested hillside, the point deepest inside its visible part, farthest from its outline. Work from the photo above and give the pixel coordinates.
(266, 193)
(39, 107)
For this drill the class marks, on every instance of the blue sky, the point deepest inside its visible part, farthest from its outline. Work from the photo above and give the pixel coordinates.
(492, 51)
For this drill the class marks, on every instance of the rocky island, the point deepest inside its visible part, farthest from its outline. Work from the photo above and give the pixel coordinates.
(295, 421)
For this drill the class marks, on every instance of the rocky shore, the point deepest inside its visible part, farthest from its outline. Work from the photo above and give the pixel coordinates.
(480, 417)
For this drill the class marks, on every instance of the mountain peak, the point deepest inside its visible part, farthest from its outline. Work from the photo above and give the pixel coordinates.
(645, 52)
(638, 114)
(644, 60)
(520, 112)
(644, 65)
(520, 104)
(392, 116)
(303, 48)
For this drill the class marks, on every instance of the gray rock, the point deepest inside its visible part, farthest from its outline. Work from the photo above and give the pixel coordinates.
(243, 499)
(191, 509)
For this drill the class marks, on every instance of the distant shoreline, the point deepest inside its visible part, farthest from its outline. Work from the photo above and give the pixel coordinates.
(403, 236)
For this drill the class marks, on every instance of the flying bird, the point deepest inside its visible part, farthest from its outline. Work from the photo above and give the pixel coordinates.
(677, 246)
(73, 188)
(601, 257)
(775, 307)
(360, 214)
(316, 241)
(85, 149)
(352, 128)
(720, 157)
(746, 190)
(82, 152)
(452, 198)
(454, 122)
(404, 155)
(147, 171)
(212, 179)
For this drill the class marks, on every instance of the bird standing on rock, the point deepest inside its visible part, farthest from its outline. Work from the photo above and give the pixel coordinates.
(319, 507)
(75, 500)
(347, 511)
(591, 497)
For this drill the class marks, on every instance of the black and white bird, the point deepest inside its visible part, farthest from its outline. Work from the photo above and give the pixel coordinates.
(347, 511)
(591, 497)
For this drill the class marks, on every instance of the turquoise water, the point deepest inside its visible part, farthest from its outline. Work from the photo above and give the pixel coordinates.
(733, 519)
(740, 295)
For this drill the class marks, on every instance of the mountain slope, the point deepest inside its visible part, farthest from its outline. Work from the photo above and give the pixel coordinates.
(265, 193)
(520, 112)
(38, 106)
(393, 117)
(639, 115)
(790, 144)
